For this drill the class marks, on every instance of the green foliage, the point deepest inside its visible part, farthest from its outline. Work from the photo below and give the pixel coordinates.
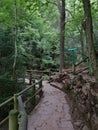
(37, 37)
(7, 82)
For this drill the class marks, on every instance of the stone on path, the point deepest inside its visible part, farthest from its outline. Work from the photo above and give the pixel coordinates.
(52, 113)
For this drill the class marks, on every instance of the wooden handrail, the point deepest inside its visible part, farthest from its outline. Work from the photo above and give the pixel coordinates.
(33, 96)
(18, 95)
(39, 71)
(34, 70)
(82, 70)
(4, 120)
(1, 105)
(81, 61)
(7, 101)
(26, 89)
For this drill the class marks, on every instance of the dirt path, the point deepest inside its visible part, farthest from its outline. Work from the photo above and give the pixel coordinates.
(52, 113)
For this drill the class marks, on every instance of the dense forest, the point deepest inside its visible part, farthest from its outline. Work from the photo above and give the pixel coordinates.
(51, 36)
(36, 34)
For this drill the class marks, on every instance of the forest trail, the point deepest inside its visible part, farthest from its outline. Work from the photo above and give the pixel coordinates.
(52, 113)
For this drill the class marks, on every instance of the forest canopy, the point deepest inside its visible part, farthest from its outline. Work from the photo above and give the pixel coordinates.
(35, 33)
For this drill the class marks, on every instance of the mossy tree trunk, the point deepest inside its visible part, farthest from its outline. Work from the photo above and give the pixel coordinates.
(89, 37)
(61, 7)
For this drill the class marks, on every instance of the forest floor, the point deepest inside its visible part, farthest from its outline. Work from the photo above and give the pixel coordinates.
(52, 113)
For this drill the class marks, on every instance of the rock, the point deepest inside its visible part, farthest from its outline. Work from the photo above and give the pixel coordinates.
(83, 90)
(86, 88)
(82, 107)
(85, 128)
(79, 84)
(95, 118)
(67, 85)
(93, 92)
(78, 123)
(96, 127)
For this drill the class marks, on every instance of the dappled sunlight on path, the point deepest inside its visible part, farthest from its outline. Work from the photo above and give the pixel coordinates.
(52, 113)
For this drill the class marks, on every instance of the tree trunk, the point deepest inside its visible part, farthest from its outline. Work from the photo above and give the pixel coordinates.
(82, 44)
(15, 37)
(61, 7)
(89, 37)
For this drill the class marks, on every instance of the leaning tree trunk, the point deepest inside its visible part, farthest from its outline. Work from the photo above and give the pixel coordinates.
(61, 7)
(82, 43)
(15, 37)
(89, 37)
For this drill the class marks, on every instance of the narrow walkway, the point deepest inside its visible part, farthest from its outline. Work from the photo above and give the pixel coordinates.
(52, 113)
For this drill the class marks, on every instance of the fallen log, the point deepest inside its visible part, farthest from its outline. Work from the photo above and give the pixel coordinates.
(84, 60)
(81, 70)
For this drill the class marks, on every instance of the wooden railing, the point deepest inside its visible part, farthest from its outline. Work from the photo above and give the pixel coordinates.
(77, 65)
(19, 107)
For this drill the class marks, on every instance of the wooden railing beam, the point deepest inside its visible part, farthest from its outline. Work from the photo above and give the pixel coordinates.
(33, 96)
(7, 101)
(13, 115)
(20, 93)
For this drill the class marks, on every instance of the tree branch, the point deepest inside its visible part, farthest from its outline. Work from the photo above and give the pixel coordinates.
(59, 6)
(51, 2)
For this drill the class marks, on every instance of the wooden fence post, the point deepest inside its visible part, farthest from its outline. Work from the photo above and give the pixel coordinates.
(13, 120)
(15, 102)
(33, 92)
(30, 80)
(40, 86)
